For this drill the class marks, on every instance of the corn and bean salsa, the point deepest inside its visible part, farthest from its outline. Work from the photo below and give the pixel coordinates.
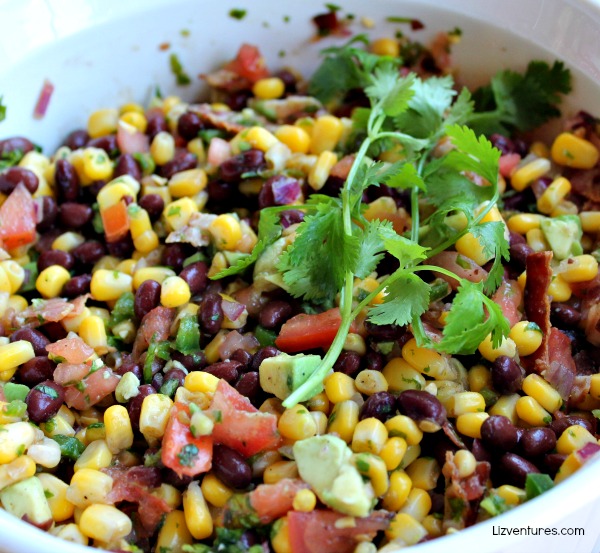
(154, 319)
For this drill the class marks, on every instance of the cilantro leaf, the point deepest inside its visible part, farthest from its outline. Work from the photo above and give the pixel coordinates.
(370, 247)
(407, 298)
(403, 175)
(2, 110)
(403, 249)
(494, 244)
(394, 93)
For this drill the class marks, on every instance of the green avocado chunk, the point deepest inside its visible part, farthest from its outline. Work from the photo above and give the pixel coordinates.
(282, 374)
(563, 234)
(27, 499)
(324, 462)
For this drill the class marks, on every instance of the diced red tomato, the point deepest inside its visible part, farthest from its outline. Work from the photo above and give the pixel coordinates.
(73, 350)
(249, 63)
(316, 532)
(507, 163)
(509, 297)
(115, 221)
(272, 501)
(131, 141)
(17, 218)
(185, 454)
(90, 391)
(240, 425)
(304, 331)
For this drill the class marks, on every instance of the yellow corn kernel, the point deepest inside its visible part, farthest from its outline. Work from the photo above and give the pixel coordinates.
(72, 324)
(69, 532)
(571, 151)
(413, 452)
(89, 486)
(305, 501)
(102, 122)
(547, 396)
(196, 147)
(5, 286)
(154, 415)
(93, 332)
(529, 172)
(427, 361)
(405, 529)
(169, 494)
(469, 246)
(521, 223)
(369, 382)
(51, 281)
(214, 491)
(418, 504)
(12, 355)
(139, 220)
(104, 523)
(257, 137)
(559, 289)
(197, 516)
(553, 195)
(296, 423)
(397, 494)
(174, 533)
(280, 470)
(57, 425)
(97, 431)
(268, 88)
(96, 164)
(343, 419)
(385, 47)
(187, 183)
(178, 213)
(135, 119)
(590, 221)
(119, 434)
(469, 424)
(479, 377)
(339, 387)
(506, 406)
(157, 273)
(14, 273)
(146, 242)
(319, 172)
(595, 386)
(531, 412)
(319, 402)
(527, 337)
(226, 231)
(326, 133)
(465, 462)
(107, 262)
(573, 439)
(131, 106)
(401, 376)
(565, 207)
(201, 381)
(280, 536)
(424, 473)
(211, 351)
(20, 468)
(373, 467)
(507, 347)
(393, 452)
(162, 148)
(320, 419)
(55, 491)
(294, 137)
(539, 149)
(356, 343)
(96, 456)
(511, 494)
(174, 292)
(569, 466)
(580, 268)
(110, 285)
(404, 427)
(370, 435)
(465, 402)
(536, 240)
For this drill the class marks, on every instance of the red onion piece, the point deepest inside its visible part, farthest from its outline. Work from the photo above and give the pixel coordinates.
(43, 99)
(232, 309)
(286, 190)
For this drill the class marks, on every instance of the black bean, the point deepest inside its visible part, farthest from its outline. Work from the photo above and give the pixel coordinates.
(552, 462)
(77, 286)
(374, 360)
(182, 161)
(158, 380)
(67, 181)
(232, 169)
(515, 469)
(36, 370)
(507, 375)
(564, 316)
(147, 297)
(227, 370)
(192, 362)
(15, 143)
(196, 275)
(89, 252)
(54, 331)
(49, 211)
(248, 385)
(174, 255)
(498, 433)
(72, 215)
(381, 405)
(76, 139)
(537, 441)
(384, 333)
(291, 217)
(188, 125)
(44, 400)
(519, 253)
(262, 354)
(175, 374)
(122, 248)
(15, 175)
(130, 366)
(348, 363)
(134, 407)
(275, 313)
(479, 451)
(242, 356)
(503, 143)
(265, 196)
(37, 340)
(231, 467)
(288, 78)
(127, 165)
(220, 191)
(558, 426)
(211, 313)
(238, 99)
(156, 122)
(55, 257)
(108, 143)
(170, 477)
(153, 204)
(424, 408)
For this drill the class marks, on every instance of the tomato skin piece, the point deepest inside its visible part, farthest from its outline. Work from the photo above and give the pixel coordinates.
(17, 218)
(177, 436)
(272, 501)
(249, 63)
(240, 425)
(316, 531)
(303, 332)
(115, 221)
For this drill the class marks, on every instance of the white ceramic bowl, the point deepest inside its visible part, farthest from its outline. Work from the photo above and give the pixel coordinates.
(99, 53)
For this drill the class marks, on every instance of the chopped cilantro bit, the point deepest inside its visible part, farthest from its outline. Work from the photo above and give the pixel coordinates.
(47, 390)
(187, 455)
(70, 447)
(174, 211)
(237, 13)
(123, 309)
(48, 494)
(596, 413)
(182, 78)
(494, 505)
(2, 110)
(362, 465)
(20, 450)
